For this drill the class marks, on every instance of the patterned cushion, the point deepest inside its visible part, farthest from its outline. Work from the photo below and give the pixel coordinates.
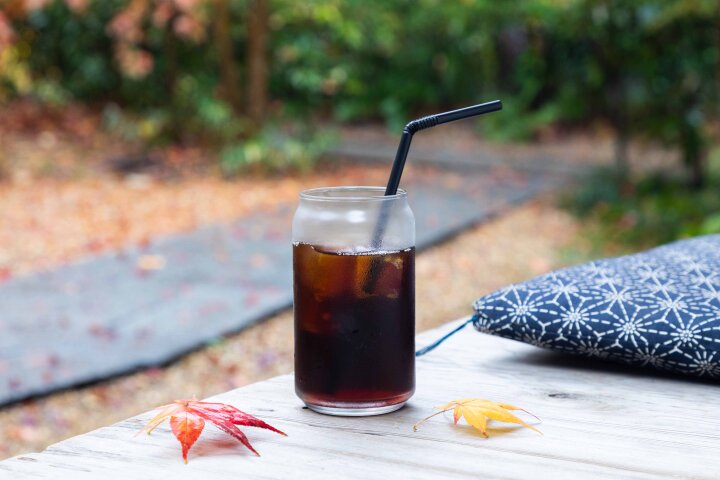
(660, 309)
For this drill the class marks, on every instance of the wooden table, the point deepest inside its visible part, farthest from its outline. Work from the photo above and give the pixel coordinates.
(598, 422)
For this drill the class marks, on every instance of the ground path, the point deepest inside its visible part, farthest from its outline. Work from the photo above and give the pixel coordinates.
(143, 306)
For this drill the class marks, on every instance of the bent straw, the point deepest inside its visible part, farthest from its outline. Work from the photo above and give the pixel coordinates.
(426, 122)
(402, 152)
(404, 147)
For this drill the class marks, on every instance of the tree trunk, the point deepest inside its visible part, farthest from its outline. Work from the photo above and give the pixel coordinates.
(694, 152)
(622, 145)
(257, 72)
(170, 76)
(617, 112)
(697, 170)
(229, 78)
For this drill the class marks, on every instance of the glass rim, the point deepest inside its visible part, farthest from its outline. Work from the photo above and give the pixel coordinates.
(350, 194)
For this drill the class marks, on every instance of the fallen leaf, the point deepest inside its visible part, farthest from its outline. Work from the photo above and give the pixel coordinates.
(187, 420)
(5, 274)
(477, 412)
(151, 262)
(186, 427)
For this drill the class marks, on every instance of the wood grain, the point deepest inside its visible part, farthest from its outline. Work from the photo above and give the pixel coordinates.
(599, 421)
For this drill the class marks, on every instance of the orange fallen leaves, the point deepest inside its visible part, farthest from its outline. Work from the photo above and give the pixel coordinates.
(477, 412)
(187, 420)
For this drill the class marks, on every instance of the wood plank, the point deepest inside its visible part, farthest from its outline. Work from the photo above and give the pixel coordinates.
(598, 422)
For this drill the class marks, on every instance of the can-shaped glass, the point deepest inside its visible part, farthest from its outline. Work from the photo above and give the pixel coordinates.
(354, 285)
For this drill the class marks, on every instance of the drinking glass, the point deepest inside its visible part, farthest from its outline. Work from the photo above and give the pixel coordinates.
(354, 286)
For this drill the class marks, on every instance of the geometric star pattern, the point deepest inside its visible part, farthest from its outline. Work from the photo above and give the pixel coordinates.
(658, 309)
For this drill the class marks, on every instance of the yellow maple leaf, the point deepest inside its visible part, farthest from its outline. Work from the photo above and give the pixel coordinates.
(477, 412)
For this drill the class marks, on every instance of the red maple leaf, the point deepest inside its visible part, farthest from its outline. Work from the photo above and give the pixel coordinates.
(187, 420)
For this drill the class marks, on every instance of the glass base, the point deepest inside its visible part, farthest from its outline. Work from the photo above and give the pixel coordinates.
(355, 412)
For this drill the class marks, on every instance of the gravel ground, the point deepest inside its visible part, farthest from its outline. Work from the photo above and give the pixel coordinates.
(526, 241)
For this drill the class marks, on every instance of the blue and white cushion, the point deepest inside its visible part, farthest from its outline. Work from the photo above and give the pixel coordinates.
(659, 308)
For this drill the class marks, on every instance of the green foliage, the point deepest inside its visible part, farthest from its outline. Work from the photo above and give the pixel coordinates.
(14, 74)
(649, 210)
(517, 123)
(72, 51)
(647, 68)
(147, 127)
(274, 150)
(360, 59)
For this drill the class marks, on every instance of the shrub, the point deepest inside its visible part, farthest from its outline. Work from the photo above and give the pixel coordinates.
(273, 150)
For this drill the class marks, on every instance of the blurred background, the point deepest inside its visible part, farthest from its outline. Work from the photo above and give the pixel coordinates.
(127, 121)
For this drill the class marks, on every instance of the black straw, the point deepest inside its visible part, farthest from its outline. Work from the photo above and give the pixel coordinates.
(426, 122)
(402, 152)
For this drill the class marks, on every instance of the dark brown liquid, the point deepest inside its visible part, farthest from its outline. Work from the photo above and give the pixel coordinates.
(354, 327)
